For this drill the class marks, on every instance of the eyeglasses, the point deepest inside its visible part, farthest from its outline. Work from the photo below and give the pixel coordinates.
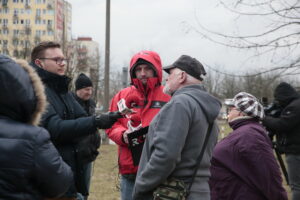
(58, 61)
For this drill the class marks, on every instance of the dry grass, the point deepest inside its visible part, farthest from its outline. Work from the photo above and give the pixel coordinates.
(105, 175)
(105, 181)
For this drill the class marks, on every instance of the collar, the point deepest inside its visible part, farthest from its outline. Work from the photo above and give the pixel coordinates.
(57, 82)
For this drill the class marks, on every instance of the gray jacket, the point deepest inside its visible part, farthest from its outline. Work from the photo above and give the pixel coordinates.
(174, 143)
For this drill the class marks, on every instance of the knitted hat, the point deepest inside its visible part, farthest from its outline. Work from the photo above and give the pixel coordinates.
(83, 81)
(249, 105)
(284, 93)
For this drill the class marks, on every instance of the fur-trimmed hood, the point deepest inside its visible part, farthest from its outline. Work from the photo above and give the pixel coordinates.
(22, 96)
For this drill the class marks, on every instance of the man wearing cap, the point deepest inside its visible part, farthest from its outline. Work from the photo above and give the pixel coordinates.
(146, 76)
(287, 129)
(87, 147)
(177, 133)
(243, 165)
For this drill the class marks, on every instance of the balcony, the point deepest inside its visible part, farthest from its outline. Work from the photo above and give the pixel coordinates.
(37, 17)
(27, 29)
(4, 27)
(37, 39)
(15, 39)
(27, 6)
(49, 27)
(16, 16)
(49, 6)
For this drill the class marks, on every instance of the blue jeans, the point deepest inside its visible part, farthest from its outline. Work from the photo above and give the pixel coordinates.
(293, 166)
(127, 185)
(87, 170)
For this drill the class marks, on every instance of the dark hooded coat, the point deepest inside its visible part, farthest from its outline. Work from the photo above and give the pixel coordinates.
(286, 126)
(31, 168)
(66, 122)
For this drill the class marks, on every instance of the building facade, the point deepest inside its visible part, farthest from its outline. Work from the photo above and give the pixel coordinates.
(24, 23)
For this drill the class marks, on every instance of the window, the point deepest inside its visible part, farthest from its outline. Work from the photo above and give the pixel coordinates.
(27, 21)
(28, 11)
(15, 42)
(44, 11)
(50, 12)
(5, 32)
(16, 11)
(38, 32)
(38, 12)
(22, 21)
(16, 21)
(16, 32)
(5, 21)
(38, 21)
(5, 10)
(16, 1)
(50, 33)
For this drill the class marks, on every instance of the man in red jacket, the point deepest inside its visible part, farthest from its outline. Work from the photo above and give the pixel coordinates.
(146, 77)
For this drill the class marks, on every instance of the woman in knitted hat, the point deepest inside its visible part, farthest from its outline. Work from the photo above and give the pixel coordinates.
(243, 164)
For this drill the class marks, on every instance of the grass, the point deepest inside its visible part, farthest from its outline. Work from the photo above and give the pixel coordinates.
(105, 179)
(104, 183)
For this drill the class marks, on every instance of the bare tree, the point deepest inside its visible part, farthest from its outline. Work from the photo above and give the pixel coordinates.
(213, 82)
(276, 37)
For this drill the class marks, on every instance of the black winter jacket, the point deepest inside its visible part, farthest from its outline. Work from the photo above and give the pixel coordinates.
(87, 148)
(31, 168)
(286, 126)
(66, 122)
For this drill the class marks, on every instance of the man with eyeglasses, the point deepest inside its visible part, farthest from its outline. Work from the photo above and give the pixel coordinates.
(65, 119)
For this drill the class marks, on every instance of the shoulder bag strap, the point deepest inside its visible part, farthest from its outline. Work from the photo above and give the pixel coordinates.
(203, 146)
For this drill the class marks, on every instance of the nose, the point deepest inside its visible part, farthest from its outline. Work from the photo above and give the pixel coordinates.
(143, 72)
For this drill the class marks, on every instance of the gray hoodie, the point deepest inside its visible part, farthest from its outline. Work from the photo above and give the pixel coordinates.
(174, 142)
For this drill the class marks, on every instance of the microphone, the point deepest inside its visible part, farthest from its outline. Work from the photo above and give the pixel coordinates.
(125, 106)
(133, 101)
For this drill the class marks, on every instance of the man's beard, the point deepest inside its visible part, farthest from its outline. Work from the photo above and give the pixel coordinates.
(167, 90)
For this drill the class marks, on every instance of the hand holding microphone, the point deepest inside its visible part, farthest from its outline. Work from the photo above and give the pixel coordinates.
(125, 105)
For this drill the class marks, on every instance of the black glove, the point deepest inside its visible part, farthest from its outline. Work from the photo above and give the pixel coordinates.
(106, 120)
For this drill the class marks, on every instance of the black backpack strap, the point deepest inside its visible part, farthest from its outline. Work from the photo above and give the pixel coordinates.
(203, 146)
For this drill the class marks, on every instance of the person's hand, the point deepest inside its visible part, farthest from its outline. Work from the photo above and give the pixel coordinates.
(106, 120)
(125, 136)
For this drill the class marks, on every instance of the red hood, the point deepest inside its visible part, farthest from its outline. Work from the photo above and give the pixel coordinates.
(151, 57)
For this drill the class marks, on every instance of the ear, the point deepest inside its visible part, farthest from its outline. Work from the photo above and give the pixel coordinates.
(38, 63)
(183, 77)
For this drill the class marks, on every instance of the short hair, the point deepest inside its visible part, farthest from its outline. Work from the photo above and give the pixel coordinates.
(38, 50)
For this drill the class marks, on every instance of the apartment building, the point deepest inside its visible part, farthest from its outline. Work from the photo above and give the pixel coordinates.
(24, 23)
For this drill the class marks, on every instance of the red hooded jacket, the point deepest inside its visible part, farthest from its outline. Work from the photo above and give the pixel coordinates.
(153, 99)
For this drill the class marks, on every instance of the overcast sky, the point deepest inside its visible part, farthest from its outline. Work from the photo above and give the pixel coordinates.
(159, 25)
